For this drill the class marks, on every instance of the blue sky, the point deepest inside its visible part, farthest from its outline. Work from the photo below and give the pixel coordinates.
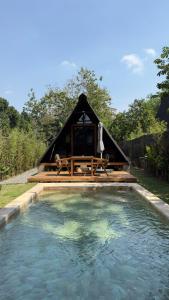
(45, 42)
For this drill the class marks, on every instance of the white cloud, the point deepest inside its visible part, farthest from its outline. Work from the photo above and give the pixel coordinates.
(150, 51)
(8, 92)
(68, 63)
(133, 62)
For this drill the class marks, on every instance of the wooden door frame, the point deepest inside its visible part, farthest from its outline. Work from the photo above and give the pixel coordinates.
(81, 125)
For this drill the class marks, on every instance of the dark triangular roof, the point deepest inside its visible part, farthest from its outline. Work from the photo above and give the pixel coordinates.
(82, 105)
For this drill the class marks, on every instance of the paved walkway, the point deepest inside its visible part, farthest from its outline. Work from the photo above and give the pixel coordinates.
(21, 178)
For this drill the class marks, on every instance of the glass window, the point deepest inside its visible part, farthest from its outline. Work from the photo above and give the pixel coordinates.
(84, 119)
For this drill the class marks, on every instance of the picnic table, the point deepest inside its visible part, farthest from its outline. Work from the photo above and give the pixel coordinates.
(73, 162)
(89, 161)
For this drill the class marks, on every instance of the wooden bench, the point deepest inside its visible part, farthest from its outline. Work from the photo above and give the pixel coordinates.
(114, 163)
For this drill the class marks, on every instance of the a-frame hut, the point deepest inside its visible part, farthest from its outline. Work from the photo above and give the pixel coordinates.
(79, 137)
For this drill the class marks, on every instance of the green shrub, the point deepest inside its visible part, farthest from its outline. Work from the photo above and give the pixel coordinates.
(19, 151)
(158, 156)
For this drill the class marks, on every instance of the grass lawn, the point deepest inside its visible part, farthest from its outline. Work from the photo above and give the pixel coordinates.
(11, 191)
(155, 185)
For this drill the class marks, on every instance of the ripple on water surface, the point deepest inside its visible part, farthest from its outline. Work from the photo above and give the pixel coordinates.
(85, 244)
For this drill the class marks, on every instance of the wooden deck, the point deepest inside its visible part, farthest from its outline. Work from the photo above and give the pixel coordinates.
(115, 176)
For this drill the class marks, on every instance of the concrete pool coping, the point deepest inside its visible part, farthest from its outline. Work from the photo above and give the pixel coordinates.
(23, 201)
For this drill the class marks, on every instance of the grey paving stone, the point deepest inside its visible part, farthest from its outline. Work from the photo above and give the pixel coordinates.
(21, 178)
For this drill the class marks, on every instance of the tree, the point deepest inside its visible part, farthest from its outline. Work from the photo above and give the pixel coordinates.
(140, 119)
(121, 127)
(163, 111)
(13, 116)
(86, 82)
(9, 116)
(163, 65)
(49, 113)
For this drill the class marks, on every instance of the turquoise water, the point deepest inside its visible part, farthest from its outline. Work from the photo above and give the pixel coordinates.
(85, 244)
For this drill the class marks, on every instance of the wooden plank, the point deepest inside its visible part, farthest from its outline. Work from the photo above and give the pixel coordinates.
(49, 164)
(86, 158)
(78, 179)
(72, 166)
(118, 164)
(116, 176)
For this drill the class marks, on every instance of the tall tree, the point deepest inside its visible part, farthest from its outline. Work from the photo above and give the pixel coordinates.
(49, 113)
(9, 116)
(163, 65)
(163, 111)
(87, 82)
(140, 119)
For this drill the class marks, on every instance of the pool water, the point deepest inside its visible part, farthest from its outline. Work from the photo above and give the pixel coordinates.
(96, 243)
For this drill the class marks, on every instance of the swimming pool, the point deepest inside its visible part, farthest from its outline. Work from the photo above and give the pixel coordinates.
(96, 243)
